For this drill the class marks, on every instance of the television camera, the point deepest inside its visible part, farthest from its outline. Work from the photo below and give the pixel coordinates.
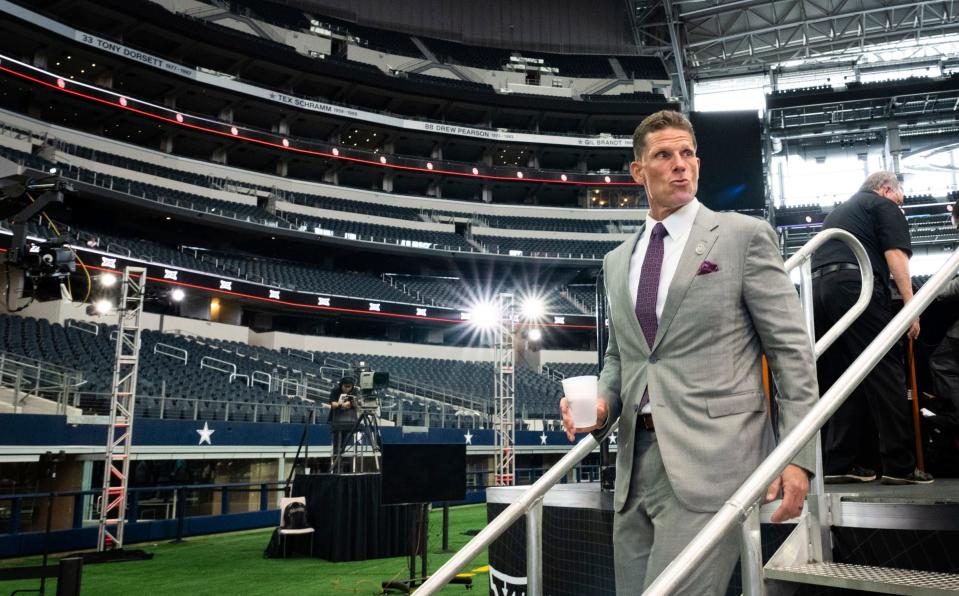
(39, 260)
(370, 383)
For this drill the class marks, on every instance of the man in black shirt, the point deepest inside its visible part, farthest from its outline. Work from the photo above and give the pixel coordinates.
(849, 440)
(342, 418)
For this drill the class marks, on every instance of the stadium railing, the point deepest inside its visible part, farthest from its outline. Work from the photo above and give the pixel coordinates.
(155, 512)
(25, 377)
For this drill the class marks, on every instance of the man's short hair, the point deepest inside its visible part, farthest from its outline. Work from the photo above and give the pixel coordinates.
(347, 381)
(878, 180)
(658, 121)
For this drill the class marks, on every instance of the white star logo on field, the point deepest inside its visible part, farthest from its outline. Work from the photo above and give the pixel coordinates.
(612, 439)
(542, 439)
(205, 433)
(468, 437)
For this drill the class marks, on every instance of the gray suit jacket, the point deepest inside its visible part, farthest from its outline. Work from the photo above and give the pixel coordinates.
(704, 371)
(950, 291)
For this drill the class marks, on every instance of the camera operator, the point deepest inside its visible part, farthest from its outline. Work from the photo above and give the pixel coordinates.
(342, 418)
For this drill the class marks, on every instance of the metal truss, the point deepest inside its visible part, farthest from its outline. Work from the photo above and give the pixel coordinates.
(727, 36)
(116, 466)
(722, 38)
(504, 419)
(914, 110)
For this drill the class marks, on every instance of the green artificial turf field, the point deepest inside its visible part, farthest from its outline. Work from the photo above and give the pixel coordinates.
(233, 565)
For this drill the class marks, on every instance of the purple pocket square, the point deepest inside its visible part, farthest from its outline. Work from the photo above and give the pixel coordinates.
(707, 267)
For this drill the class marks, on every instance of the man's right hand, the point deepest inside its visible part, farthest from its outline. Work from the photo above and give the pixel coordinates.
(601, 413)
(913, 332)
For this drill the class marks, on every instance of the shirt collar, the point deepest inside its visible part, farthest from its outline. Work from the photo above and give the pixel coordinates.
(679, 222)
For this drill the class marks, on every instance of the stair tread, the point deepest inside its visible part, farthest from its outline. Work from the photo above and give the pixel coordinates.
(867, 576)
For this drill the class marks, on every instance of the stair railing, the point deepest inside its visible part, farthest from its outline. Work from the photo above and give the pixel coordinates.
(738, 507)
(725, 518)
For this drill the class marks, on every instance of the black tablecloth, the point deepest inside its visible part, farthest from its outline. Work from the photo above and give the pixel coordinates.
(350, 523)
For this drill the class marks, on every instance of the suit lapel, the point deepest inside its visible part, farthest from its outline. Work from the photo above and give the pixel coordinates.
(620, 290)
(702, 236)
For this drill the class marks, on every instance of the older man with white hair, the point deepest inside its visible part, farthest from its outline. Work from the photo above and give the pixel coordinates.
(877, 411)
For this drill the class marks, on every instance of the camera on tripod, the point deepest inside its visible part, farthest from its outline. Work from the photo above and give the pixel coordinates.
(370, 383)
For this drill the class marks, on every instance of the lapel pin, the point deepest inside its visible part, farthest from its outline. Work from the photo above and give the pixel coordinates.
(700, 248)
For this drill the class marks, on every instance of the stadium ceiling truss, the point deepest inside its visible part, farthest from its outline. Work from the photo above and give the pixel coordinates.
(717, 38)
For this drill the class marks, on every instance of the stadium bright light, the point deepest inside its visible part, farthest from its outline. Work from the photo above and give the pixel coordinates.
(103, 307)
(535, 334)
(533, 308)
(484, 315)
(177, 295)
(108, 280)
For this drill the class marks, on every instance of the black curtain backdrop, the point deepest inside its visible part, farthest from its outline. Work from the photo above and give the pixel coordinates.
(350, 523)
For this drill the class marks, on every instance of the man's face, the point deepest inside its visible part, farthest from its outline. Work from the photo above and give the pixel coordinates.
(893, 193)
(346, 387)
(669, 170)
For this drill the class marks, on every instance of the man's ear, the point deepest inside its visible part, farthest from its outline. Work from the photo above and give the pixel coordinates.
(636, 171)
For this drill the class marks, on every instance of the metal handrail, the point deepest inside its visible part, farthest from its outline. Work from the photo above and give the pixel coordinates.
(735, 509)
(803, 257)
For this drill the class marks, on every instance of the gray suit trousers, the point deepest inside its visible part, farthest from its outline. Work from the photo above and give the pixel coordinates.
(654, 527)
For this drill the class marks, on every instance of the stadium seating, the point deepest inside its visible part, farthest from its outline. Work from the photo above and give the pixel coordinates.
(548, 247)
(379, 233)
(312, 278)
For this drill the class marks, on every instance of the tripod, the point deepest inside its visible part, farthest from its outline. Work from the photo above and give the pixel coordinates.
(366, 427)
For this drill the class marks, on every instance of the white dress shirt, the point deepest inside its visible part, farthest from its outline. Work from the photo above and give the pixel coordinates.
(677, 224)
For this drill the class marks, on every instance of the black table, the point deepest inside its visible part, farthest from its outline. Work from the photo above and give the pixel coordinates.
(350, 522)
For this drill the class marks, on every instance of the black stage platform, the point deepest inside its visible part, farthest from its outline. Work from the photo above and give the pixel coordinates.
(350, 522)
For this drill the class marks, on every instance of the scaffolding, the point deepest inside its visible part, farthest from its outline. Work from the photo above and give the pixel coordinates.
(505, 415)
(116, 467)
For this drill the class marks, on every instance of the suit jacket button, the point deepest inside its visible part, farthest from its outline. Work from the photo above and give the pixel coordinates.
(653, 359)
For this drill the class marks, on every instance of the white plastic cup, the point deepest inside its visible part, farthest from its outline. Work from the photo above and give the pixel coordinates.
(581, 395)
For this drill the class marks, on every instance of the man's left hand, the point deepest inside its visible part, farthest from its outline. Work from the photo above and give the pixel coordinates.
(794, 483)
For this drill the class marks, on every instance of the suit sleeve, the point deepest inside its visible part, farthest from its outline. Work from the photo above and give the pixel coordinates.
(610, 377)
(773, 305)
(950, 291)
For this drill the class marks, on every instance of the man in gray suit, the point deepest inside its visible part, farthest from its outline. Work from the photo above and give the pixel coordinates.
(944, 363)
(695, 298)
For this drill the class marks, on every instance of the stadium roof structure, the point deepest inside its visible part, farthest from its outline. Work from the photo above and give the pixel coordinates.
(720, 38)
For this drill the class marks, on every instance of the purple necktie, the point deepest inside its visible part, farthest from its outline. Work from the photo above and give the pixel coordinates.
(648, 291)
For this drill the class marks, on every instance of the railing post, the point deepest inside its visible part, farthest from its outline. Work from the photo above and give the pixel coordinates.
(180, 504)
(16, 391)
(224, 500)
(751, 555)
(15, 516)
(264, 497)
(816, 505)
(133, 506)
(78, 510)
(534, 548)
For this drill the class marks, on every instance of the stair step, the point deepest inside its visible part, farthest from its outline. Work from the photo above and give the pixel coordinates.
(883, 580)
